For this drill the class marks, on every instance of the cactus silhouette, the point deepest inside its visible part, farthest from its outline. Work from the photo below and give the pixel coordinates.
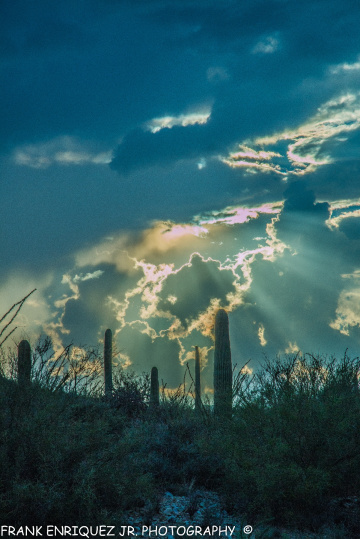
(154, 387)
(197, 380)
(108, 362)
(222, 366)
(24, 363)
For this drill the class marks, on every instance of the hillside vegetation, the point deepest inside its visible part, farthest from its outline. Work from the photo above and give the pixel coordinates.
(289, 455)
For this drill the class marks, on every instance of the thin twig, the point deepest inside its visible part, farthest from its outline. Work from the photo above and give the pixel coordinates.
(19, 304)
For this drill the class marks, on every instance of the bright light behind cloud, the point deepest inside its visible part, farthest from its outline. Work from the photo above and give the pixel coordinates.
(163, 160)
(160, 290)
(163, 298)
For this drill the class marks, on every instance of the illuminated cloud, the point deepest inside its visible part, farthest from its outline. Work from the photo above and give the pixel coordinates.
(343, 209)
(251, 159)
(60, 151)
(345, 67)
(237, 215)
(348, 311)
(87, 276)
(166, 283)
(183, 120)
(261, 334)
(310, 146)
(128, 250)
(159, 289)
(214, 110)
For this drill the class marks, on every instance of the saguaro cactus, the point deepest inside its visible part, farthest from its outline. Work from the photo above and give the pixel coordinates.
(222, 366)
(24, 363)
(197, 380)
(154, 387)
(108, 362)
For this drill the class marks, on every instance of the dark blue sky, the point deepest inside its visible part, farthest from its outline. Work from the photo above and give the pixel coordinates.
(135, 138)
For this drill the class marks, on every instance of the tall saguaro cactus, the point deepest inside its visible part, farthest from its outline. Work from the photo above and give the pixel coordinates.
(154, 387)
(197, 380)
(24, 363)
(108, 362)
(222, 366)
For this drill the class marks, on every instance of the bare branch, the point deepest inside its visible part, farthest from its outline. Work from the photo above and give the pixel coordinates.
(19, 304)
(7, 336)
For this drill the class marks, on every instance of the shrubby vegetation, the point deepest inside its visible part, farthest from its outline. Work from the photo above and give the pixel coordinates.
(289, 455)
(295, 441)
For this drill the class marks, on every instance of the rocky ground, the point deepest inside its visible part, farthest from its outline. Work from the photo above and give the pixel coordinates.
(199, 514)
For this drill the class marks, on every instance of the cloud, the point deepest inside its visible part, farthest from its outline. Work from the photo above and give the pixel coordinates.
(141, 149)
(319, 141)
(145, 353)
(293, 298)
(268, 45)
(183, 120)
(60, 151)
(348, 311)
(94, 275)
(215, 110)
(161, 289)
(311, 145)
(343, 209)
(189, 292)
(113, 84)
(261, 334)
(345, 67)
(250, 159)
(108, 78)
(157, 244)
(233, 215)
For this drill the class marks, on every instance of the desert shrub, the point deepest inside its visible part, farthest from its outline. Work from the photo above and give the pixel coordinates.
(168, 448)
(131, 393)
(289, 455)
(64, 455)
(295, 439)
